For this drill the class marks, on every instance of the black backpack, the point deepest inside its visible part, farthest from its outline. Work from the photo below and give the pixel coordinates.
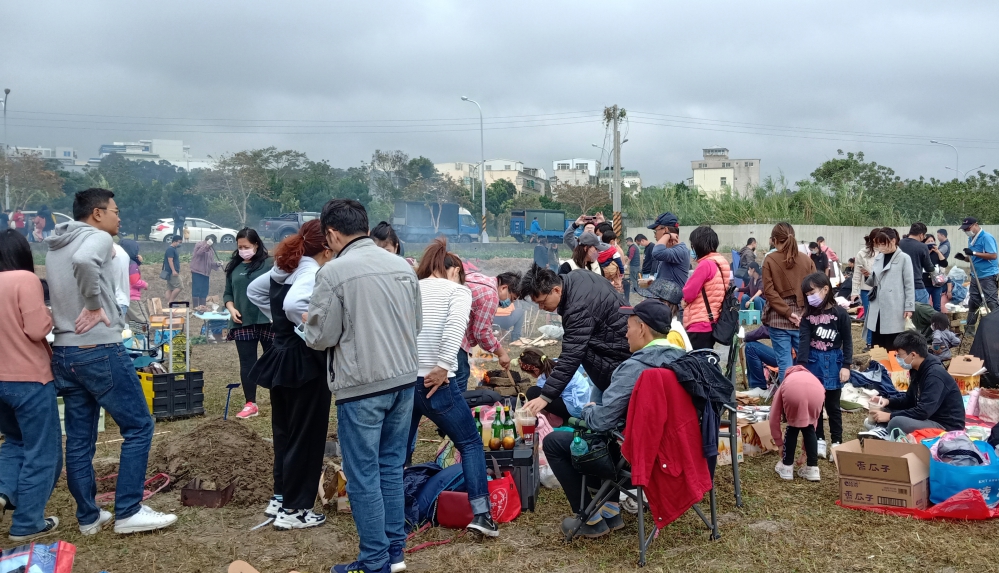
(723, 330)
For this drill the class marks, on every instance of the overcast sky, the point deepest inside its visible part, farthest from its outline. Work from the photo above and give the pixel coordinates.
(787, 83)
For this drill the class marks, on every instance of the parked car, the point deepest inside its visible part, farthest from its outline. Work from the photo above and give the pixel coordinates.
(284, 225)
(197, 230)
(29, 217)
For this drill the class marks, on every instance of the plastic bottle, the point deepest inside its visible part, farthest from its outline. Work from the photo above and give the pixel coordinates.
(578, 447)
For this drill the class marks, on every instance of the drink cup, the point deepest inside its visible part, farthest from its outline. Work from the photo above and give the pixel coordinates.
(527, 431)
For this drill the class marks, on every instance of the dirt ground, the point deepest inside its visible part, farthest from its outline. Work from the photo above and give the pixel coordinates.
(782, 526)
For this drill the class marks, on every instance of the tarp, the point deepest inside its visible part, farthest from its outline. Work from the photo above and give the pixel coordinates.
(967, 505)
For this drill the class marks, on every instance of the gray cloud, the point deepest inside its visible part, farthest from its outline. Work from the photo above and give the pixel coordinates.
(910, 68)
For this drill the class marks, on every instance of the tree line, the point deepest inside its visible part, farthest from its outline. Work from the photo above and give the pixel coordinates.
(244, 186)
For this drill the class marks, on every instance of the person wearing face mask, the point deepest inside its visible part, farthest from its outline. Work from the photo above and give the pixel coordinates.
(933, 399)
(248, 326)
(486, 298)
(296, 377)
(447, 303)
(819, 259)
(509, 316)
(892, 298)
(981, 253)
(826, 349)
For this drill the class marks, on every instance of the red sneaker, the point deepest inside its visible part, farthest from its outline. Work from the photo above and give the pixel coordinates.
(249, 410)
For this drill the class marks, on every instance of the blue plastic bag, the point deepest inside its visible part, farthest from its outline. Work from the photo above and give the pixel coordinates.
(947, 480)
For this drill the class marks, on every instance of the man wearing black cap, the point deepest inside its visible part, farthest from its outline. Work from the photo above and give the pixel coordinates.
(671, 294)
(670, 252)
(648, 323)
(981, 252)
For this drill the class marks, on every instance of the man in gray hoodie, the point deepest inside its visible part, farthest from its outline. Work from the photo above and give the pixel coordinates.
(366, 310)
(91, 366)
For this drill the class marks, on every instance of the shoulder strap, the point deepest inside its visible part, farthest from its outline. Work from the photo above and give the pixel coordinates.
(704, 294)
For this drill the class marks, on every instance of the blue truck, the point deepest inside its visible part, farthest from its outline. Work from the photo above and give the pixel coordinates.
(418, 222)
(552, 224)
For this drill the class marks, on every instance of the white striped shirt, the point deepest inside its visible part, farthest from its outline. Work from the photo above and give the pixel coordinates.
(446, 307)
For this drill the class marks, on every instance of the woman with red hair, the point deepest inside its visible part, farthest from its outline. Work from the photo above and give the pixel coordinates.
(296, 377)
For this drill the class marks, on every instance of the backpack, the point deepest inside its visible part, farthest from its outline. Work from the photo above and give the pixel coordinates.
(723, 330)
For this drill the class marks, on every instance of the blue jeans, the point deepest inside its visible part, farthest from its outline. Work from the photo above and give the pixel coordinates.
(759, 355)
(31, 454)
(744, 304)
(783, 341)
(464, 371)
(373, 435)
(865, 299)
(449, 411)
(935, 292)
(89, 379)
(922, 296)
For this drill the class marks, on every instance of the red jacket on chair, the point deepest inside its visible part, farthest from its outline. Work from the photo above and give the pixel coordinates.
(662, 442)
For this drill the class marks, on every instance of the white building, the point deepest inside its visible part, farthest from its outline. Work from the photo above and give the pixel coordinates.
(577, 171)
(172, 150)
(526, 179)
(631, 180)
(715, 172)
(65, 155)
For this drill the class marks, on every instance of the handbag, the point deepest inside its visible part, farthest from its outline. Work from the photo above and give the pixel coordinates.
(723, 330)
(598, 461)
(939, 278)
(455, 512)
(165, 275)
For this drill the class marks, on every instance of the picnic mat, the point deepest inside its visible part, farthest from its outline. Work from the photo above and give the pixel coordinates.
(969, 504)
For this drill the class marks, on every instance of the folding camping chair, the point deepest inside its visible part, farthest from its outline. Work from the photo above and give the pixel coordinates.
(611, 489)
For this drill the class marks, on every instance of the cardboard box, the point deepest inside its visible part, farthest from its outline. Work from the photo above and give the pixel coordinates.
(757, 439)
(966, 371)
(725, 449)
(892, 474)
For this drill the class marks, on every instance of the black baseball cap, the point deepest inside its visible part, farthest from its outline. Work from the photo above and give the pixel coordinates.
(968, 222)
(665, 220)
(653, 313)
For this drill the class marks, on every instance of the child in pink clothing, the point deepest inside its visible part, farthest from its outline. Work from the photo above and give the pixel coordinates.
(798, 401)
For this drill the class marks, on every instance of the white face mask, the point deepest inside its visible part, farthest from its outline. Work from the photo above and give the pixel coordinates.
(970, 233)
(905, 365)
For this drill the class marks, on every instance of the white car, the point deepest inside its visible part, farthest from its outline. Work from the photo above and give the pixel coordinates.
(196, 230)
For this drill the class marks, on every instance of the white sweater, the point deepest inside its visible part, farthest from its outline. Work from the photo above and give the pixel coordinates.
(446, 308)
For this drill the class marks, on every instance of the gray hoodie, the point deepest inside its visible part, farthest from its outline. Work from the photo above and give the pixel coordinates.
(614, 407)
(296, 302)
(78, 270)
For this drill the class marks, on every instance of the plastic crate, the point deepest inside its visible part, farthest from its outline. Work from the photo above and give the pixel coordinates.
(177, 395)
(522, 461)
(750, 317)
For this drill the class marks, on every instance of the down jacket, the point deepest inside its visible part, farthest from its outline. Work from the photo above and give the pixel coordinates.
(595, 332)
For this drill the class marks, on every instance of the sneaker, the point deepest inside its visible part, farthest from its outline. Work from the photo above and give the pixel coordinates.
(756, 392)
(51, 523)
(273, 507)
(832, 450)
(249, 410)
(785, 472)
(146, 519)
(95, 527)
(586, 530)
(810, 473)
(875, 433)
(4, 506)
(357, 567)
(614, 523)
(822, 448)
(397, 561)
(869, 425)
(298, 519)
(485, 525)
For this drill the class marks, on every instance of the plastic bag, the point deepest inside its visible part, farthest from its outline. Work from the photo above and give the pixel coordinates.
(909, 325)
(37, 558)
(966, 505)
(947, 480)
(988, 405)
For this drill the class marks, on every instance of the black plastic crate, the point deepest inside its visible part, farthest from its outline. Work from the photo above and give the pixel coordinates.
(178, 395)
(522, 461)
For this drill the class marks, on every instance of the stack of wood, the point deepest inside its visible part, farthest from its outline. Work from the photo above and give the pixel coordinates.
(505, 382)
(539, 342)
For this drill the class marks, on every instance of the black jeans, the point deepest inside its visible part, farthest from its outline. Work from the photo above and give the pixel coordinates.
(556, 407)
(556, 446)
(300, 420)
(835, 418)
(809, 442)
(701, 340)
(247, 350)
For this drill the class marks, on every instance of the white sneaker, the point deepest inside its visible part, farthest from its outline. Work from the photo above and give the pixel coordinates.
(95, 527)
(785, 472)
(145, 520)
(273, 507)
(811, 473)
(832, 450)
(298, 519)
(755, 392)
(822, 448)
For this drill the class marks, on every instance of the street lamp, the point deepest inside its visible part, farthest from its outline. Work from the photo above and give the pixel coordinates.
(6, 176)
(957, 157)
(484, 237)
(966, 172)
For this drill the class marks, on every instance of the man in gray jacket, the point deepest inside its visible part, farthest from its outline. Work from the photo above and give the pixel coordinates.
(92, 369)
(366, 311)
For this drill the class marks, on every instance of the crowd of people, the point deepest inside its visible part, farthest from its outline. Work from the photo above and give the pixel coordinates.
(344, 319)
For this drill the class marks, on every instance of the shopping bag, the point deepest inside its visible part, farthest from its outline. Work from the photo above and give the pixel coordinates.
(947, 480)
(38, 558)
(454, 511)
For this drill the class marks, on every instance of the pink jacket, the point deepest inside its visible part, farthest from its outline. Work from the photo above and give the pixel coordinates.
(135, 281)
(798, 401)
(695, 314)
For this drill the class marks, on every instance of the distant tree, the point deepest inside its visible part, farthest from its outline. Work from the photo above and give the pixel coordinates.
(498, 193)
(30, 180)
(583, 197)
(237, 178)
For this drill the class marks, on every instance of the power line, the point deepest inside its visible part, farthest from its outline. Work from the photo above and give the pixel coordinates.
(316, 121)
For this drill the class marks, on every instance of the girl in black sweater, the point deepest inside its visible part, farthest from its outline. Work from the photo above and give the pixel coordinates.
(826, 349)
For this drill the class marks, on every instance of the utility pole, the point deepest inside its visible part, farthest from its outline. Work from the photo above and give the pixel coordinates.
(484, 237)
(615, 115)
(6, 175)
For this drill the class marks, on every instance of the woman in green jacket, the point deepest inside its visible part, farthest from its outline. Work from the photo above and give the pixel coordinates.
(247, 325)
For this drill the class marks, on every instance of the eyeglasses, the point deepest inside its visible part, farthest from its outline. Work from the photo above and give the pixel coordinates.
(115, 211)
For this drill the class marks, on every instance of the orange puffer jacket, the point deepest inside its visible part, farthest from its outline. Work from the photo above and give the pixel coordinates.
(715, 288)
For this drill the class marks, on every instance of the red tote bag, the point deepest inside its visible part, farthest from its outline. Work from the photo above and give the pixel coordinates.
(454, 511)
